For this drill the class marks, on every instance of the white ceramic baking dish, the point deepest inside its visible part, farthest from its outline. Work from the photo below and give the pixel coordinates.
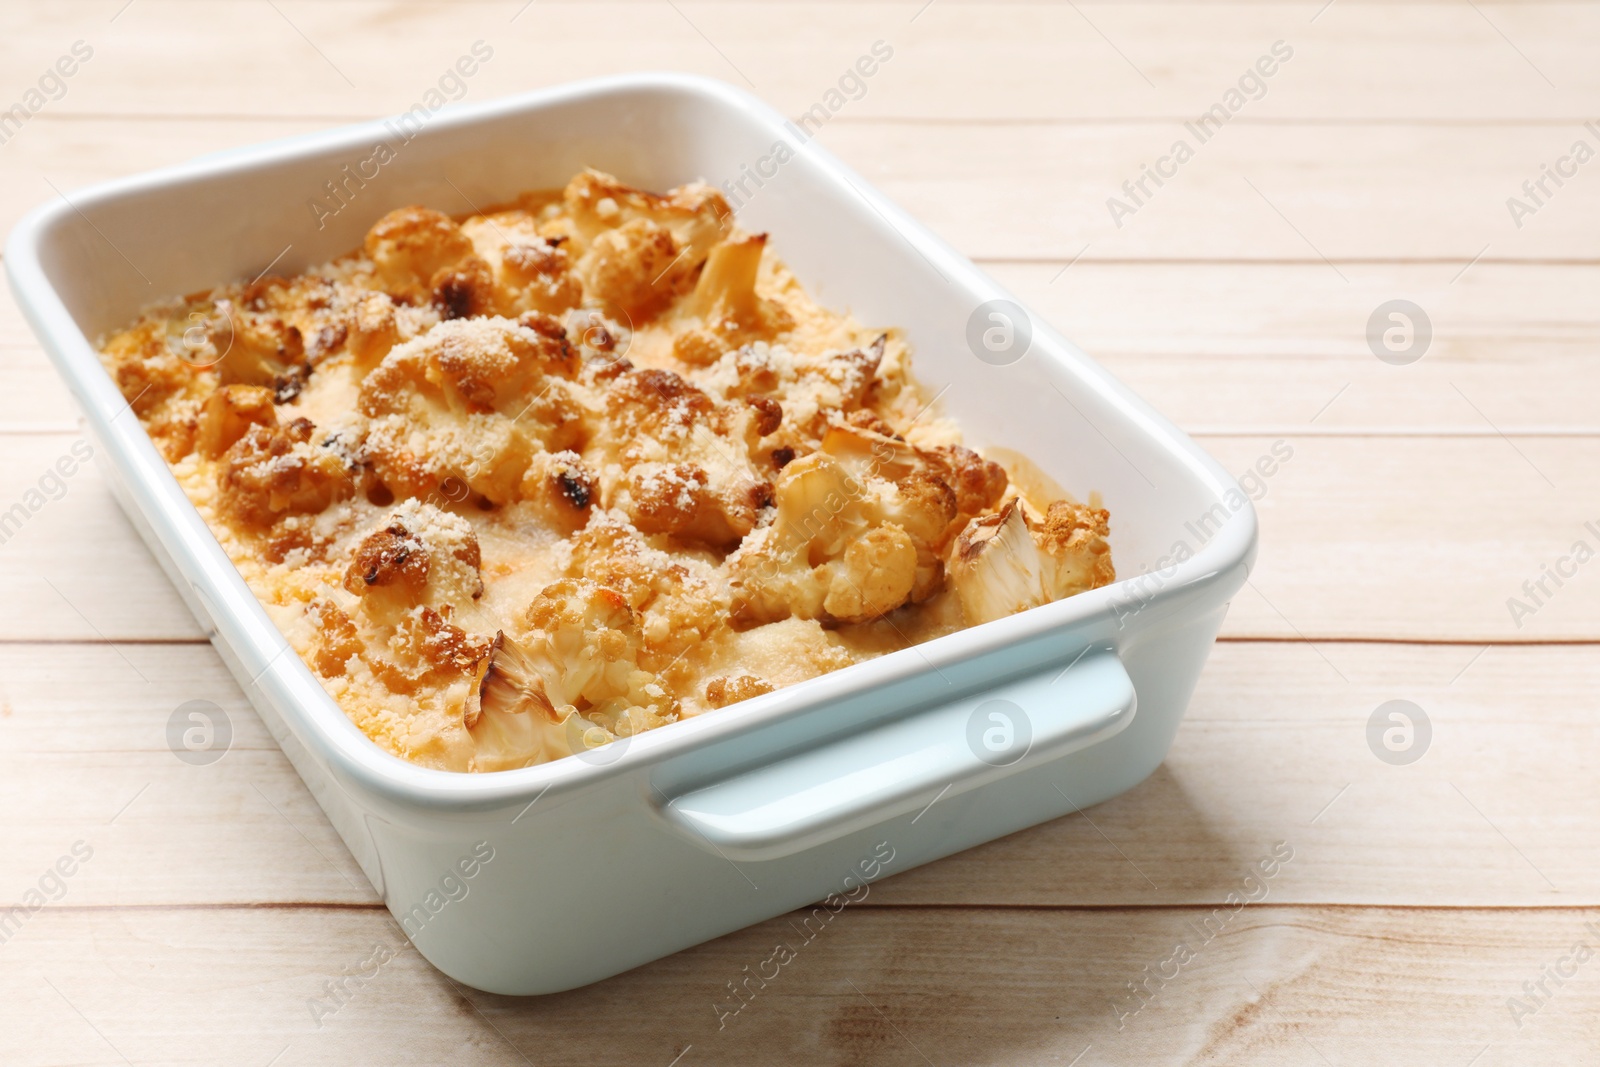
(638, 849)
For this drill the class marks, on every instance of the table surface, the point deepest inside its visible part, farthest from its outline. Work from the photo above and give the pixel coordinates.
(1433, 912)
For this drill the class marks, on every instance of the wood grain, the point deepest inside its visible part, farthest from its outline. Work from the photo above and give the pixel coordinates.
(953, 61)
(1278, 985)
(1420, 899)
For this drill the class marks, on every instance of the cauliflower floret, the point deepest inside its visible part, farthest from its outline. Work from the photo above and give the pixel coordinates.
(426, 653)
(570, 683)
(869, 447)
(255, 346)
(370, 328)
(416, 251)
(1007, 562)
(876, 574)
(725, 300)
(531, 272)
(680, 499)
(161, 381)
(228, 415)
(273, 471)
(679, 463)
(408, 575)
(561, 489)
(679, 601)
(1073, 540)
(816, 390)
(420, 555)
(832, 552)
(273, 332)
(638, 250)
(696, 214)
(471, 400)
(861, 529)
(633, 268)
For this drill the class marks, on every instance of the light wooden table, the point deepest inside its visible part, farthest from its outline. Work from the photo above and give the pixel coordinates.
(1376, 166)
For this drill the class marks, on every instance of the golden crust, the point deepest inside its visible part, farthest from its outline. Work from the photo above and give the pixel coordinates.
(529, 481)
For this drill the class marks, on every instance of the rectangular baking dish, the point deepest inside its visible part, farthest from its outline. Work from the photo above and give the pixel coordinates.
(605, 861)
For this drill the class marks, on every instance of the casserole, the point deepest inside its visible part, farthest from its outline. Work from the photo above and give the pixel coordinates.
(668, 838)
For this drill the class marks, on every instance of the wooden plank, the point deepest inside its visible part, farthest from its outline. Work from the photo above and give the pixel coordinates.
(1277, 986)
(76, 569)
(1362, 537)
(1273, 749)
(1296, 191)
(953, 59)
(1419, 538)
(1241, 348)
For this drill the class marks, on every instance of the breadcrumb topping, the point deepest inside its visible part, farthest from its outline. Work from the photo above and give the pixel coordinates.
(523, 483)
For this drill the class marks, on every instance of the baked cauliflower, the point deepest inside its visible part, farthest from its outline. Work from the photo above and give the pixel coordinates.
(469, 399)
(529, 482)
(571, 681)
(1008, 562)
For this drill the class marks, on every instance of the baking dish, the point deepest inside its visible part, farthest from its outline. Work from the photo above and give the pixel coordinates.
(597, 863)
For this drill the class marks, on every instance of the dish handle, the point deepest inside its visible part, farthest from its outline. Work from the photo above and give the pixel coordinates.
(898, 767)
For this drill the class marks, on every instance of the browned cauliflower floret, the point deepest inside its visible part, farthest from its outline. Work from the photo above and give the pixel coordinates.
(1073, 537)
(679, 601)
(273, 332)
(815, 390)
(273, 471)
(680, 499)
(697, 215)
(471, 400)
(978, 483)
(464, 290)
(571, 682)
(428, 651)
(229, 413)
(968, 484)
(421, 256)
(679, 463)
(370, 329)
(727, 305)
(632, 268)
(337, 639)
(162, 382)
(638, 250)
(531, 272)
(410, 574)
(561, 489)
(258, 347)
(421, 555)
(861, 529)
(1008, 562)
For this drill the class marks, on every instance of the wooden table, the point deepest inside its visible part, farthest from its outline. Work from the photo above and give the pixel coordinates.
(1430, 911)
